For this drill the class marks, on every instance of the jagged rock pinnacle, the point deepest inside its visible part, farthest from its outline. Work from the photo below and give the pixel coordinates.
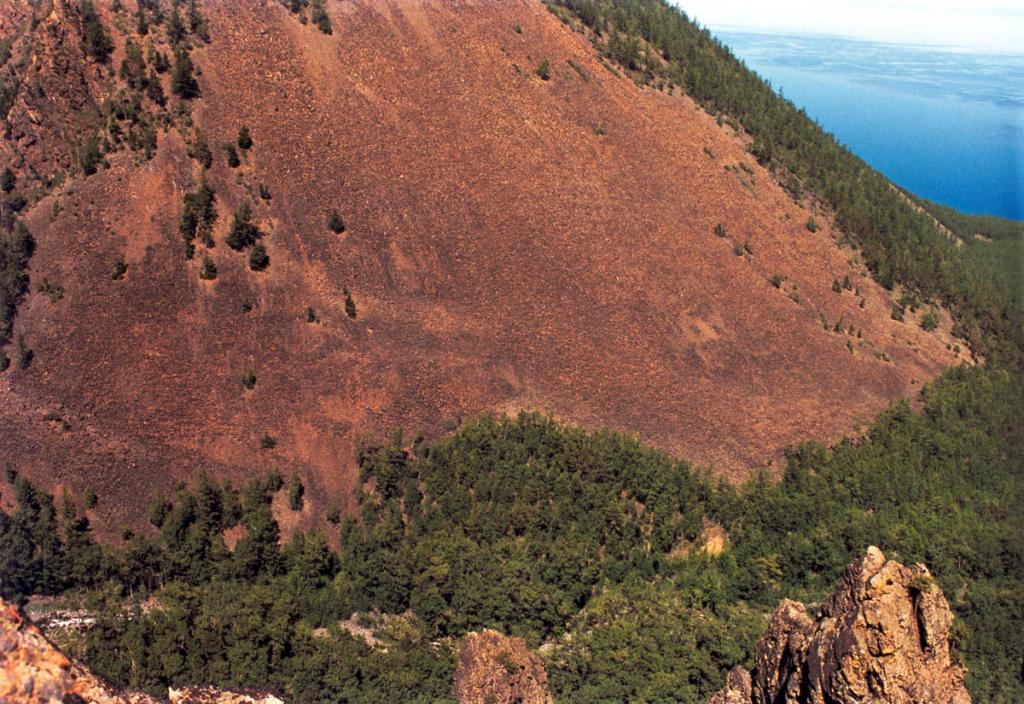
(884, 635)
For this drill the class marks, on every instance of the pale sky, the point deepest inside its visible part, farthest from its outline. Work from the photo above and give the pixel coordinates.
(988, 25)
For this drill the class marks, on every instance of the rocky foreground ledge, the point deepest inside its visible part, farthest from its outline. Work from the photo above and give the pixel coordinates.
(884, 635)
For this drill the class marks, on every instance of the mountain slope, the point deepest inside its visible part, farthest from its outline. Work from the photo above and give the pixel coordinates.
(510, 242)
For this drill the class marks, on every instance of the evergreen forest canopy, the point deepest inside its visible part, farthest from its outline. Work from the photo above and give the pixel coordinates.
(546, 531)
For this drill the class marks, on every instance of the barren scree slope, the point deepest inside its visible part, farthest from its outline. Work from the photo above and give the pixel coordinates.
(511, 243)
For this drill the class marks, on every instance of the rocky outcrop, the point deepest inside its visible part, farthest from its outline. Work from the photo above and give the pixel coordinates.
(34, 671)
(212, 695)
(884, 635)
(737, 688)
(52, 91)
(496, 669)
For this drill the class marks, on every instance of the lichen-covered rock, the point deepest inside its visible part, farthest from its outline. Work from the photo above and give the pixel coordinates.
(211, 695)
(35, 672)
(737, 688)
(884, 635)
(496, 669)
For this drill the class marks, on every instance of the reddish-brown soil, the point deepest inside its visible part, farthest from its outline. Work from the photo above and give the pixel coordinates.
(512, 243)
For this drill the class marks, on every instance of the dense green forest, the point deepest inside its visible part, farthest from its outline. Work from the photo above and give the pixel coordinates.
(993, 246)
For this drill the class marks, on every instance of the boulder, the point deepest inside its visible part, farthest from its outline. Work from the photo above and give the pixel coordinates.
(496, 669)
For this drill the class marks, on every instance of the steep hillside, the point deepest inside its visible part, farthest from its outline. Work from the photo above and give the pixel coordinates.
(511, 240)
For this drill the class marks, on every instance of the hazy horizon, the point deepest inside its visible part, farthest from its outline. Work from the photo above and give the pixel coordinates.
(990, 26)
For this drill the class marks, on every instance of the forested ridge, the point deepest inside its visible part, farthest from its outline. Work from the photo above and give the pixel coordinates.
(647, 578)
(994, 246)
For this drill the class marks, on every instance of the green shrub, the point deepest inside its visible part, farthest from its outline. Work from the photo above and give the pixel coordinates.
(7, 180)
(274, 481)
(158, 60)
(543, 70)
(96, 39)
(54, 292)
(777, 280)
(244, 138)
(244, 233)
(268, 442)
(258, 258)
(16, 249)
(175, 27)
(198, 215)
(119, 270)
(197, 22)
(720, 230)
(155, 90)
(159, 508)
(295, 493)
(350, 305)
(836, 286)
(335, 223)
(183, 80)
(232, 156)
(90, 499)
(16, 202)
(89, 155)
(249, 379)
(200, 151)
(507, 662)
(319, 17)
(812, 224)
(209, 270)
(929, 321)
(133, 66)
(25, 355)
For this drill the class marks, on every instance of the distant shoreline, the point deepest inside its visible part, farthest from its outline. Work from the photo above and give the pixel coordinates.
(943, 123)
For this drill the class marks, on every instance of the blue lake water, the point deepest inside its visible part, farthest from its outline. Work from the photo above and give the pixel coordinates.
(945, 124)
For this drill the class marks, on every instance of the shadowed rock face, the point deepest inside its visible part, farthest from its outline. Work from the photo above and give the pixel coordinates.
(884, 635)
(496, 669)
(34, 671)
